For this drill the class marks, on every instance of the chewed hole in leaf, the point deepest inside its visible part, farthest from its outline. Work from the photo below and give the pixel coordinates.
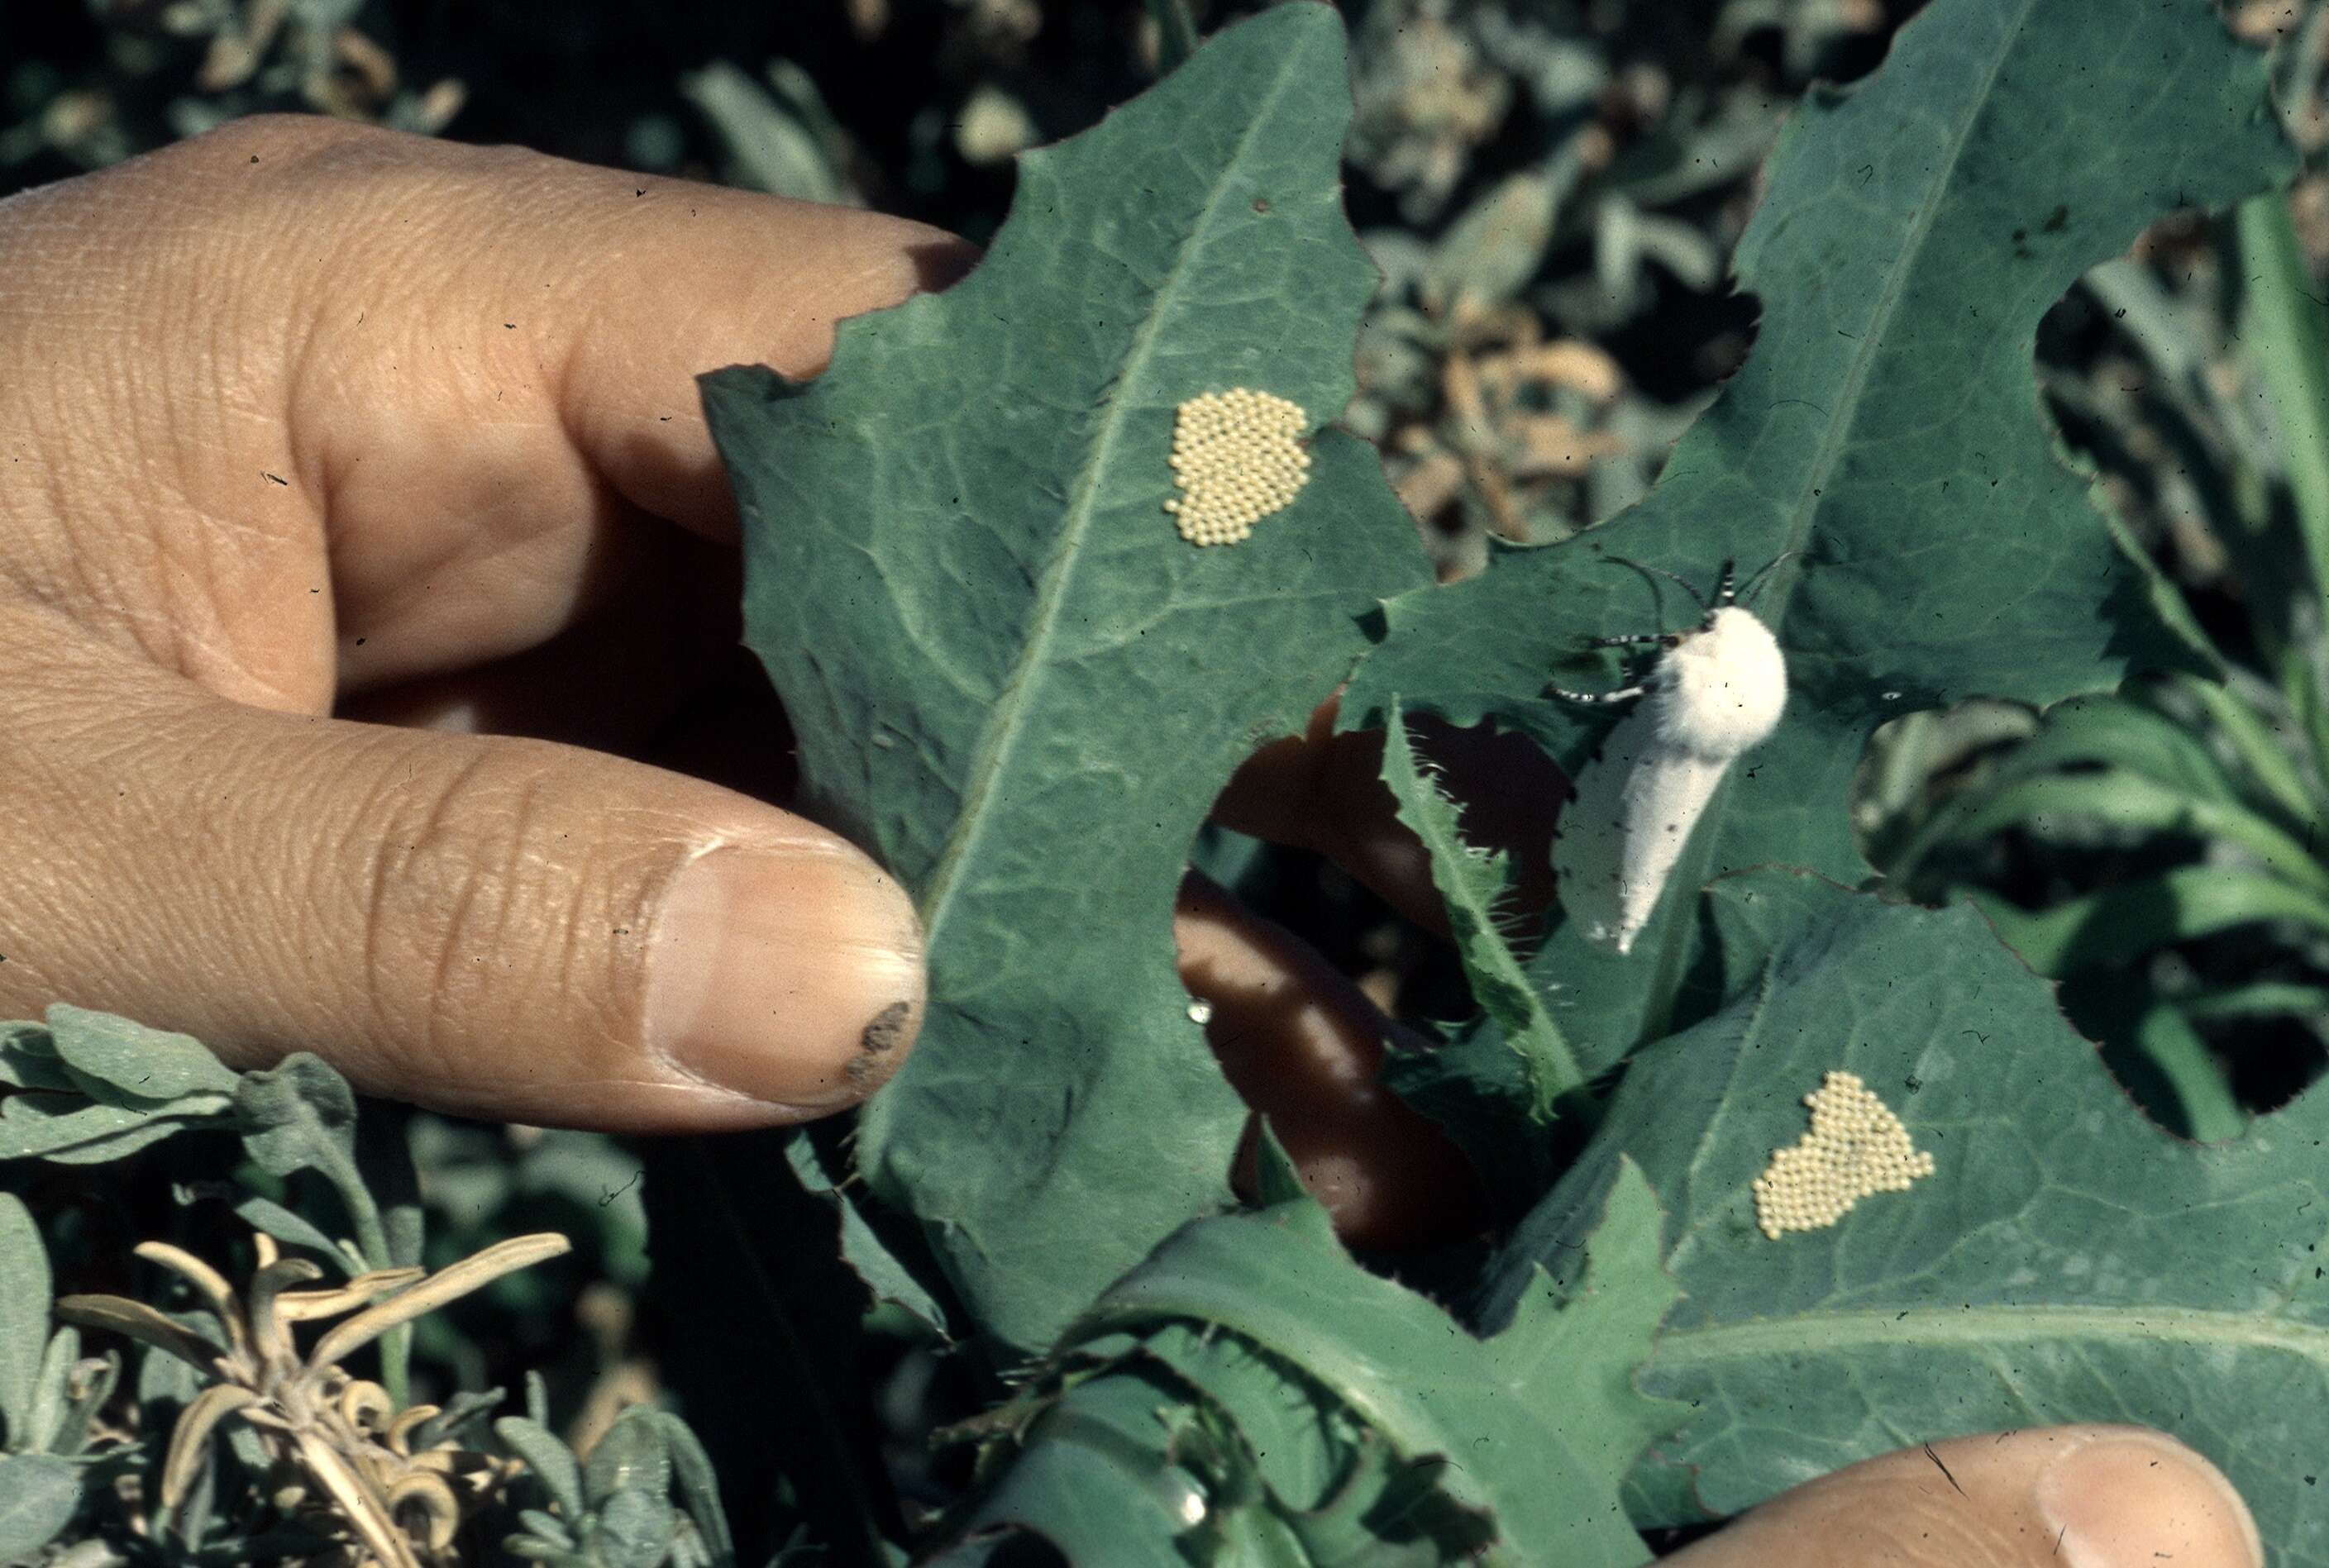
(1855, 1149)
(1237, 457)
(1294, 1019)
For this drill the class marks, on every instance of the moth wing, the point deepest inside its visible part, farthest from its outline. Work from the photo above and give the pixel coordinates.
(1664, 798)
(1588, 857)
(1621, 837)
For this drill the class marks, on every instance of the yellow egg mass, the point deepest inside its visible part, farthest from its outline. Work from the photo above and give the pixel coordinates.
(1237, 457)
(1856, 1147)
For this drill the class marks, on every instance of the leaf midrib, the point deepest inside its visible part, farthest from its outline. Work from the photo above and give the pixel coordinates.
(1983, 1328)
(999, 739)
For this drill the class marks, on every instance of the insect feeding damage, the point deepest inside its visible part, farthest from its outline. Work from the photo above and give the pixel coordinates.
(1237, 457)
(1715, 693)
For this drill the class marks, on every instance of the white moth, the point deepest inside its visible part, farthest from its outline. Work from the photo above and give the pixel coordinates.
(1714, 694)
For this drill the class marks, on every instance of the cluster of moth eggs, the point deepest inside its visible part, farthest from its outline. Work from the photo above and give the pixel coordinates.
(1856, 1147)
(1237, 457)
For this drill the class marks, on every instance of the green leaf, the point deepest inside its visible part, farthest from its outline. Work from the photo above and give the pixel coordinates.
(42, 1427)
(2067, 1261)
(28, 1060)
(699, 1489)
(266, 1214)
(2119, 733)
(1472, 883)
(452, 1424)
(632, 1456)
(749, 1259)
(145, 1064)
(2204, 1107)
(1366, 1521)
(24, 1302)
(1094, 1482)
(298, 1116)
(1287, 1424)
(1887, 425)
(72, 1392)
(1476, 1088)
(2287, 336)
(549, 1527)
(550, 1460)
(1540, 1421)
(2047, 806)
(1276, 1178)
(1015, 684)
(1579, 1350)
(39, 1493)
(2125, 920)
(75, 1132)
(2262, 745)
(1176, 32)
(886, 1277)
(635, 1530)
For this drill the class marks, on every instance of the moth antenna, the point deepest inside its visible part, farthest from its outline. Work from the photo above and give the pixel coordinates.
(1726, 587)
(1696, 597)
(1600, 698)
(1755, 583)
(1637, 640)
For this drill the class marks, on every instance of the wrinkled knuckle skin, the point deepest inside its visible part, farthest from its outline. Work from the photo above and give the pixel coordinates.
(452, 896)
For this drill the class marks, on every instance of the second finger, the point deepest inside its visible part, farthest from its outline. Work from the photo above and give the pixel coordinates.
(1303, 1045)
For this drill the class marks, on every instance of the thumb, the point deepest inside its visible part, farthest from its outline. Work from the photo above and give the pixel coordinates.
(489, 925)
(2066, 1496)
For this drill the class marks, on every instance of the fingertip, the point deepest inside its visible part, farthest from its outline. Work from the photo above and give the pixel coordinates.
(2129, 1495)
(791, 973)
(2063, 1496)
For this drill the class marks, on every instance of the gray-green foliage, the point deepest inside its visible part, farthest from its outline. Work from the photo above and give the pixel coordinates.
(47, 1394)
(645, 1496)
(97, 1087)
(1014, 682)
(615, 1509)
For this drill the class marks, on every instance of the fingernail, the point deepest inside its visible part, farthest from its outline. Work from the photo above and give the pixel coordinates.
(2130, 1499)
(794, 976)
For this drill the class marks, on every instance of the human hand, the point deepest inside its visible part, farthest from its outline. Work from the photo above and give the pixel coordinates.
(2062, 1496)
(332, 450)
(365, 550)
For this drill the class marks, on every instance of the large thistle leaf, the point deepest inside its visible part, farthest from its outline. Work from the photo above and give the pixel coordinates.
(2067, 1261)
(1017, 686)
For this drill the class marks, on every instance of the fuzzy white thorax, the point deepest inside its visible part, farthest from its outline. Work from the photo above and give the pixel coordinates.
(1714, 696)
